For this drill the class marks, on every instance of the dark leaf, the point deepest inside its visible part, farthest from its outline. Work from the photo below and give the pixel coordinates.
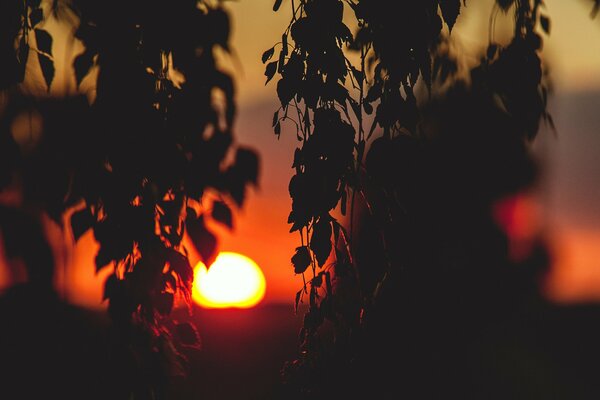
(450, 11)
(202, 239)
(317, 281)
(187, 334)
(320, 242)
(505, 4)
(81, 222)
(285, 91)
(277, 128)
(301, 259)
(298, 298)
(47, 66)
(328, 285)
(282, 55)
(181, 266)
(270, 71)
(44, 41)
(358, 75)
(82, 65)
(222, 213)
(23, 55)
(492, 50)
(164, 303)
(277, 5)
(268, 54)
(103, 258)
(36, 16)
(284, 44)
(545, 22)
(275, 118)
(247, 163)
(110, 286)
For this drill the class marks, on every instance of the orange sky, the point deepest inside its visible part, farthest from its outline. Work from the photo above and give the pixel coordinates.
(261, 229)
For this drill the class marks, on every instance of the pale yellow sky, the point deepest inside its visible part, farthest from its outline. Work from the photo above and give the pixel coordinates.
(573, 48)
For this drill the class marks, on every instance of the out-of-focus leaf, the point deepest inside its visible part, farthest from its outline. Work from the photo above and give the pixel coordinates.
(203, 240)
(44, 41)
(222, 213)
(164, 303)
(23, 54)
(277, 5)
(82, 65)
(81, 222)
(450, 11)
(181, 266)
(36, 16)
(505, 4)
(47, 66)
(545, 23)
(247, 163)
(187, 334)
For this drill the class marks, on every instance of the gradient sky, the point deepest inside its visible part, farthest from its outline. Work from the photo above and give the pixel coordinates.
(571, 188)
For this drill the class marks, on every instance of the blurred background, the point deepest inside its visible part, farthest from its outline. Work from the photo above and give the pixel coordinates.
(568, 197)
(566, 207)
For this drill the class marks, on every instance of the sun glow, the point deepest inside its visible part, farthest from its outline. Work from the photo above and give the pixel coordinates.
(233, 280)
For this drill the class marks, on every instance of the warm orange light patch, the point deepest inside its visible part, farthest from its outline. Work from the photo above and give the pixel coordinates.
(233, 280)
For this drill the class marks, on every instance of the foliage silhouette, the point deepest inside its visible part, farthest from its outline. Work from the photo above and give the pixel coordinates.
(141, 164)
(419, 153)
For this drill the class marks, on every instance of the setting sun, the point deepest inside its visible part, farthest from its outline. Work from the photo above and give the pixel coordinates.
(233, 280)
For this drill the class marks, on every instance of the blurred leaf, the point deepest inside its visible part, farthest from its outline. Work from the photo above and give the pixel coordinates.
(317, 281)
(47, 66)
(268, 54)
(301, 259)
(450, 11)
(222, 213)
(277, 5)
(36, 16)
(247, 163)
(82, 65)
(328, 285)
(23, 54)
(202, 239)
(187, 334)
(81, 222)
(164, 303)
(44, 41)
(358, 75)
(505, 4)
(180, 265)
(545, 22)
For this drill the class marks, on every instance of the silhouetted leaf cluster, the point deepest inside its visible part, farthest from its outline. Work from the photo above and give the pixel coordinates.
(338, 106)
(148, 160)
